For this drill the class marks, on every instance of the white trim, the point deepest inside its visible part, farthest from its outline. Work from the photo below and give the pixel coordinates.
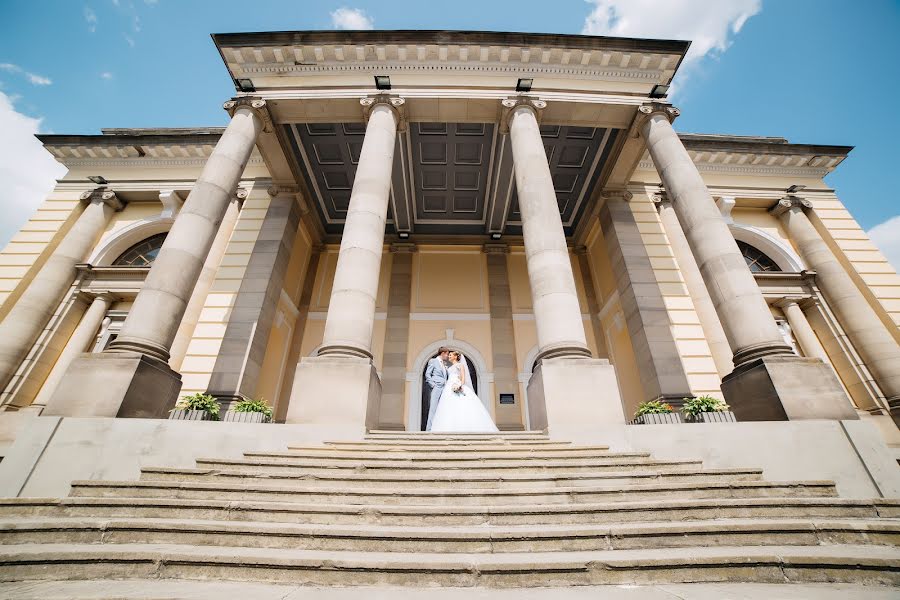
(773, 247)
(449, 316)
(414, 377)
(321, 315)
(125, 238)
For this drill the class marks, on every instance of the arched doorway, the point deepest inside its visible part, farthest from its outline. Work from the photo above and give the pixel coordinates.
(426, 391)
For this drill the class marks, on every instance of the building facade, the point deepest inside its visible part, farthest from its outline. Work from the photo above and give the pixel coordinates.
(523, 198)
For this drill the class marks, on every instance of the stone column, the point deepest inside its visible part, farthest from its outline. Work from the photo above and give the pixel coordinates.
(343, 371)
(801, 328)
(81, 340)
(396, 338)
(866, 331)
(706, 312)
(132, 378)
(769, 381)
(28, 316)
(562, 392)
(205, 281)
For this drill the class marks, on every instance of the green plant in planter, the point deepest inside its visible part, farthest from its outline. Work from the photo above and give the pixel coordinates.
(653, 407)
(703, 404)
(253, 406)
(200, 402)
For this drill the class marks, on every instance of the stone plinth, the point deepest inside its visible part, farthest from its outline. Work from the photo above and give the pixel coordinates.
(335, 391)
(566, 393)
(116, 384)
(775, 388)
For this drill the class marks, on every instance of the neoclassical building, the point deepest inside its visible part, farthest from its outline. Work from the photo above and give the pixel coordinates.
(521, 197)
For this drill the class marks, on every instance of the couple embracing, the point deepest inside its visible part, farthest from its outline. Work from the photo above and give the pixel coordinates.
(453, 405)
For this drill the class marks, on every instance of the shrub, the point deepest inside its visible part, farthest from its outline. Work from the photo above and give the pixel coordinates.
(253, 406)
(703, 404)
(200, 402)
(653, 407)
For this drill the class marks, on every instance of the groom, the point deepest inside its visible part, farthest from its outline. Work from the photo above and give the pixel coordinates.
(436, 379)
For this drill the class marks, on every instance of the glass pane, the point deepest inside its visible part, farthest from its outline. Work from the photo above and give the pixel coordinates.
(143, 253)
(756, 260)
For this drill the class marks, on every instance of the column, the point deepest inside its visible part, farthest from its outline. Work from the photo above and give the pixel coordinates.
(801, 328)
(82, 339)
(205, 281)
(396, 338)
(593, 305)
(240, 358)
(28, 316)
(706, 312)
(132, 378)
(662, 373)
(557, 314)
(351, 310)
(769, 381)
(866, 331)
(569, 391)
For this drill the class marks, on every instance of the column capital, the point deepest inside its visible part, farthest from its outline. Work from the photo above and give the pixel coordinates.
(257, 105)
(403, 248)
(395, 103)
(289, 189)
(788, 301)
(660, 199)
(617, 194)
(509, 106)
(104, 195)
(646, 111)
(495, 248)
(788, 203)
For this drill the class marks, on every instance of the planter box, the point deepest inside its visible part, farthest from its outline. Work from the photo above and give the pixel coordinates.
(183, 414)
(721, 416)
(233, 416)
(658, 419)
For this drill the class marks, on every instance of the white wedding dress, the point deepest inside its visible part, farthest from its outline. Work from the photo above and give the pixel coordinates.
(460, 412)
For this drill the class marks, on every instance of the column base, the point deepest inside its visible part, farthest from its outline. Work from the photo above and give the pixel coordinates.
(330, 390)
(115, 384)
(573, 393)
(779, 388)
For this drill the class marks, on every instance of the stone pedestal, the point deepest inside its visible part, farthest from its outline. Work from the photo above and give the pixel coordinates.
(335, 390)
(570, 393)
(775, 388)
(116, 384)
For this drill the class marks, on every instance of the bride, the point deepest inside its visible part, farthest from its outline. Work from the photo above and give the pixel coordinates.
(459, 408)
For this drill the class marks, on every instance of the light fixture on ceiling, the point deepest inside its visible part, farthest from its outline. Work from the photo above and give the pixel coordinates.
(382, 82)
(524, 84)
(659, 91)
(404, 235)
(246, 85)
(795, 188)
(98, 179)
(496, 235)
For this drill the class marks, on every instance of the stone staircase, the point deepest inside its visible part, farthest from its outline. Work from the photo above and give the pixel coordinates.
(502, 510)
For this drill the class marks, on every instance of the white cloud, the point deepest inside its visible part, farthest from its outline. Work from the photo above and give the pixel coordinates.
(351, 18)
(26, 169)
(106, 75)
(91, 17)
(129, 39)
(887, 237)
(31, 77)
(710, 25)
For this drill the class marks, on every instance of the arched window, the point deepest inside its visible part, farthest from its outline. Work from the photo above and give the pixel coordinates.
(756, 260)
(143, 253)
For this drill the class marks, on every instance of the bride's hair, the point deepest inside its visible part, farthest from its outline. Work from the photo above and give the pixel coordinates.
(457, 354)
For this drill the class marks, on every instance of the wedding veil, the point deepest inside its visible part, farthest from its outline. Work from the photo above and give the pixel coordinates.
(465, 365)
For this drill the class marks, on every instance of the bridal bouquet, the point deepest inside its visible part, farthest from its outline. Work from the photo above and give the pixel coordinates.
(457, 388)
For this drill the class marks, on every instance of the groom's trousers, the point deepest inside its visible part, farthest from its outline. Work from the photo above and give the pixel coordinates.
(436, 392)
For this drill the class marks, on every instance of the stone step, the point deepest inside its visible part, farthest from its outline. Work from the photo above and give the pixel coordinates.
(451, 444)
(427, 435)
(458, 479)
(264, 492)
(416, 467)
(449, 458)
(667, 510)
(879, 565)
(452, 539)
(463, 450)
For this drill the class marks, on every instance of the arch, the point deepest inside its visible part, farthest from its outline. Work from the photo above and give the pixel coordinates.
(125, 238)
(143, 253)
(776, 249)
(414, 377)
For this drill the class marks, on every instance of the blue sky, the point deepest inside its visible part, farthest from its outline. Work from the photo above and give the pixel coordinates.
(813, 71)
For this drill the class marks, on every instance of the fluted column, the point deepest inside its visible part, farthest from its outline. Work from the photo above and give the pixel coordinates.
(557, 313)
(742, 310)
(351, 310)
(80, 342)
(29, 315)
(205, 281)
(866, 331)
(693, 279)
(154, 319)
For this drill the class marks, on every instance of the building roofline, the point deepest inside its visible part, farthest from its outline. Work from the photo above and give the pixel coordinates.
(757, 144)
(451, 37)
